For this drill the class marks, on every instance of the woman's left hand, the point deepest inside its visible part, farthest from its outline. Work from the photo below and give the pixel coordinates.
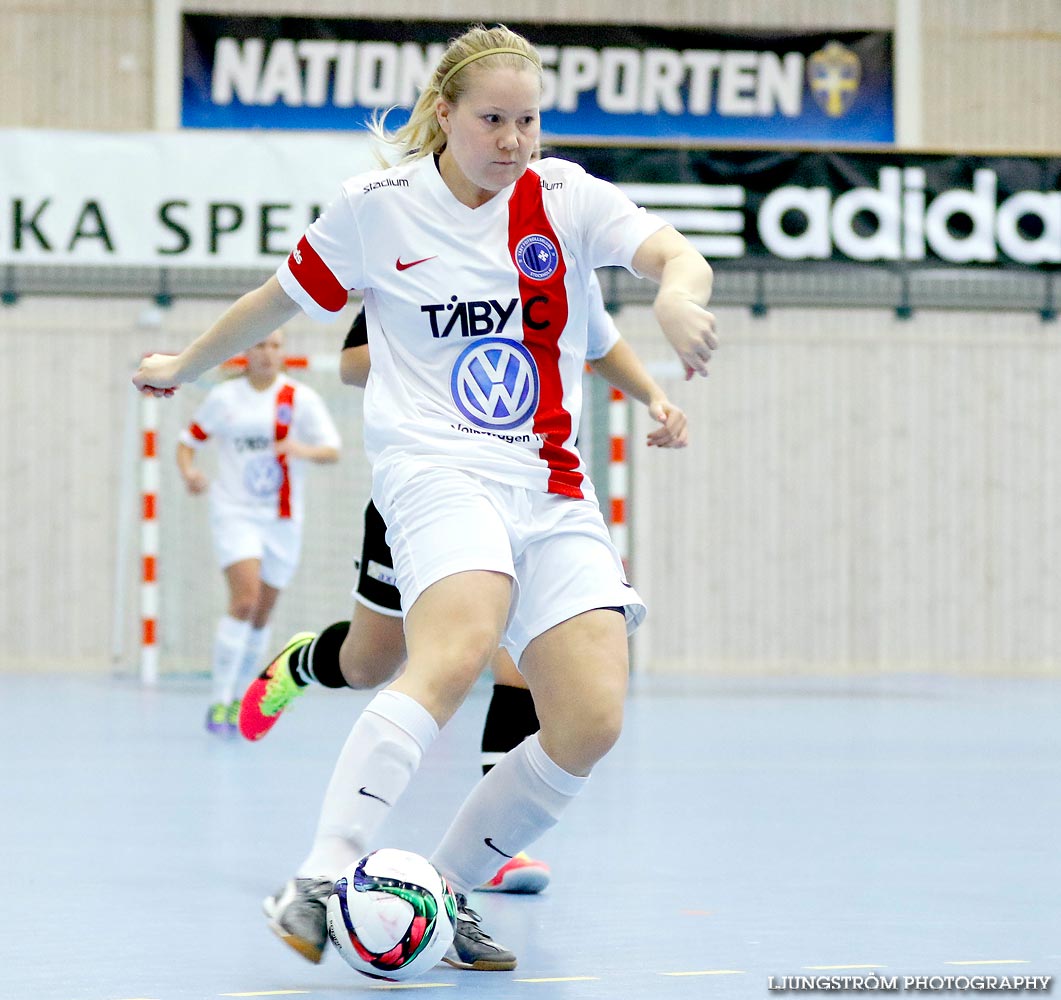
(674, 430)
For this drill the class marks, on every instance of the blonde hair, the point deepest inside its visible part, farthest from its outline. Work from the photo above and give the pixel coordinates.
(422, 135)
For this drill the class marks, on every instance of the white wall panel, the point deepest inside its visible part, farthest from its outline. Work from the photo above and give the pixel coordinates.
(861, 493)
(755, 13)
(992, 75)
(83, 64)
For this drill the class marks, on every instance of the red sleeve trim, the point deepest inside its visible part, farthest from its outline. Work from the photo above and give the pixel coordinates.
(315, 278)
(197, 432)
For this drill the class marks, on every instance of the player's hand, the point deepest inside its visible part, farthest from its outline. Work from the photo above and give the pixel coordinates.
(158, 375)
(690, 328)
(196, 481)
(673, 431)
(292, 448)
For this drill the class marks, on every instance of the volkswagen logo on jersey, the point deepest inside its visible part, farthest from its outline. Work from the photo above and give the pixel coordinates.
(262, 476)
(283, 414)
(495, 383)
(536, 257)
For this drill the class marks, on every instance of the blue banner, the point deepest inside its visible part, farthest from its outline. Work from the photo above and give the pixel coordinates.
(600, 81)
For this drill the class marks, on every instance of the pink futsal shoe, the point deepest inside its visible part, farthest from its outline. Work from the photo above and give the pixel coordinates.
(520, 875)
(272, 691)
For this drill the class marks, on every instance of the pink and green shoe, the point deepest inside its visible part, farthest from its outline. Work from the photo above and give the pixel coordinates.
(272, 691)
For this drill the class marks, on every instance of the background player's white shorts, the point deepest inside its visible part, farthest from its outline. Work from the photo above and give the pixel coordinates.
(276, 542)
(556, 549)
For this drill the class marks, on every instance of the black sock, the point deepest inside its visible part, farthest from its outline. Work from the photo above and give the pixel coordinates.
(319, 660)
(510, 719)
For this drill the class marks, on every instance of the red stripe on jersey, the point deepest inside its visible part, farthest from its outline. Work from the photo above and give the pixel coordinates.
(313, 275)
(285, 397)
(545, 314)
(197, 432)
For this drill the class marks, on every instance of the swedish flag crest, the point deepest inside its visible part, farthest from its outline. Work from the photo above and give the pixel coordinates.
(834, 73)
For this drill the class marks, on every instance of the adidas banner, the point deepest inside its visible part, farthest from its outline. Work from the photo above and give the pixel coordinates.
(844, 206)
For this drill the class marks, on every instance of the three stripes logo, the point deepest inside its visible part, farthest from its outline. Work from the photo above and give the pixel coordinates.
(711, 216)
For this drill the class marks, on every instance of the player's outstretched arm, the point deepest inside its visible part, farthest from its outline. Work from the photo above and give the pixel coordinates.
(320, 454)
(624, 369)
(246, 322)
(685, 281)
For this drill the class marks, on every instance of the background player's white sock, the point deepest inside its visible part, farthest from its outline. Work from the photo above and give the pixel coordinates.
(251, 662)
(379, 757)
(230, 640)
(513, 805)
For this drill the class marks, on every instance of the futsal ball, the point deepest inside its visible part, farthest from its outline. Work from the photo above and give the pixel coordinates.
(391, 915)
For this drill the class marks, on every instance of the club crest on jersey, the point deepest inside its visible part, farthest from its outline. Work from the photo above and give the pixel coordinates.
(495, 384)
(262, 476)
(536, 257)
(283, 414)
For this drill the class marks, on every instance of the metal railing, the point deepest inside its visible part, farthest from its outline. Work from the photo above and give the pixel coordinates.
(758, 287)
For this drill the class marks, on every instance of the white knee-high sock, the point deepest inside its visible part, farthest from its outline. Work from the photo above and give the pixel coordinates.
(251, 663)
(230, 639)
(379, 758)
(513, 805)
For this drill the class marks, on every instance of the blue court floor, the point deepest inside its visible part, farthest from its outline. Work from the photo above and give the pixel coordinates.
(740, 830)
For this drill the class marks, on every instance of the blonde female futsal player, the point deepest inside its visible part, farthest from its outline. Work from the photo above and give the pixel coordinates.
(369, 649)
(475, 272)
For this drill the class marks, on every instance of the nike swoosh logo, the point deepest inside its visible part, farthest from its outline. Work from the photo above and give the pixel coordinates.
(489, 843)
(405, 267)
(368, 795)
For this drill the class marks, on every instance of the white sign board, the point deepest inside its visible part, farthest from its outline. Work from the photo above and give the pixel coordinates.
(236, 199)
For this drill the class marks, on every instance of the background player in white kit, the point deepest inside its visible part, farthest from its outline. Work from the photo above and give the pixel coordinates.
(475, 270)
(266, 427)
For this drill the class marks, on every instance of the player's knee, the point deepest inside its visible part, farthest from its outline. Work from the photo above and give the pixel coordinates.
(578, 741)
(367, 668)
(243, 606)
(372, 650)
(468, 652)
(446, 670)
(601, 731)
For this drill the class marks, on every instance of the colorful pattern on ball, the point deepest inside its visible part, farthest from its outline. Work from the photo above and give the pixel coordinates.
(423, 932)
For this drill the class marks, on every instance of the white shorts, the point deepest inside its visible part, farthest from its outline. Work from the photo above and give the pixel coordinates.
(556, 549)
(275, 542)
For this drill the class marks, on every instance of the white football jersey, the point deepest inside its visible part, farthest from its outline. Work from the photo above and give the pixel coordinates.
(603, 333)
(477, 318)
(246, 424)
